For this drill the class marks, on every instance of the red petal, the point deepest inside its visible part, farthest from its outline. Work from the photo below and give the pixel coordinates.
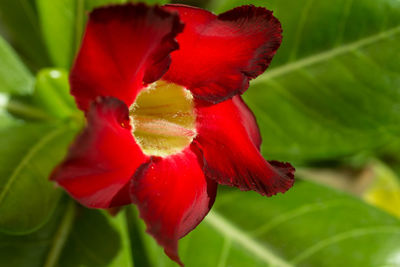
(249, 121)
(123, 47)
(226, 134)
(218, 55)
(103, 158)
(173, 196)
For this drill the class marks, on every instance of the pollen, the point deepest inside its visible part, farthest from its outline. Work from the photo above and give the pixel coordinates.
(163, 119)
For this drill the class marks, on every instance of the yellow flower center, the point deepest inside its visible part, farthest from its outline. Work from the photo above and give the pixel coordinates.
(163, 119)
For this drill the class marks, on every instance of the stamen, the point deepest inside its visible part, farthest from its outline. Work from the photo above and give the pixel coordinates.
(163, 119)
(161, 127)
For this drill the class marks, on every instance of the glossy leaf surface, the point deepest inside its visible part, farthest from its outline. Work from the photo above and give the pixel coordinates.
(73, 237)
(308, 226)
(334, 86)
(19, 20)
(14, 76)
(52, 93)
(30, 250)
(58, 24)
(28, 153)
(93, 241)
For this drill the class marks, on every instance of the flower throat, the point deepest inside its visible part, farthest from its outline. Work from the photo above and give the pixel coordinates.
(163, 119)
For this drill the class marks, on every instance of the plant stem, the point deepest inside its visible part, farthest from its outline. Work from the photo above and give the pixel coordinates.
(26, 111)
(61, 235)
(138, 249)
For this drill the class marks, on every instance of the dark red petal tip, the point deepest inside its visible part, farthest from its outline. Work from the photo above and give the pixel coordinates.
(103, 158)
(124, 47)
(173, 196)
(218, 55)
(264, 19)
(228, 137)
(284, 177)
(284, 168)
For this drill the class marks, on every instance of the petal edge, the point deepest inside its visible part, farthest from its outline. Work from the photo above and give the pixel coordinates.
(124, 47)
(219, 55)
(173, 197)
(231, 154)
(102, 159)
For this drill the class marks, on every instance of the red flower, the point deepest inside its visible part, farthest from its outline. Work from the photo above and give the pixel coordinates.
(165, 122)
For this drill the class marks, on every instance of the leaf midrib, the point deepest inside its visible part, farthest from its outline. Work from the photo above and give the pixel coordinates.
(343, 236)
(61, 236)
(233, 233)
(219, 223)
(28, 156)
(325, 55)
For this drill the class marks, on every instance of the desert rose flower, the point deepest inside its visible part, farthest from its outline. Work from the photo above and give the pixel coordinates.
(160, 87)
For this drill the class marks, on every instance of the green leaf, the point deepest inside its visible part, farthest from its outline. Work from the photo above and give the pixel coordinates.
(6, 120)
(62, 24)
(23, 109)
(93, 241)
(125, 255)
(14, 76)
(19, 21)
(90, 4)
(52, 93)
(30, 250)
(74, 236)
(57, 21)
(28, 153)
(308, 226)
(334, 86)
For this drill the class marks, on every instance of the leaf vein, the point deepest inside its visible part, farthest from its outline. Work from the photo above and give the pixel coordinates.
(343, 236)
(325, 55)
(300, 27)
(25, 161)
(309, 208)
(229, 230)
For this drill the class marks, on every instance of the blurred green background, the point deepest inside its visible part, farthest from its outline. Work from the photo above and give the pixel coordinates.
(329, 103)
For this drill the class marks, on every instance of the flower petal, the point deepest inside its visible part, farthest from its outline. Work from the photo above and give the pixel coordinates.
(228, 139)
(103, 158)
(249, 121)
(218, 55)
(173, 196)
(123, 47)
